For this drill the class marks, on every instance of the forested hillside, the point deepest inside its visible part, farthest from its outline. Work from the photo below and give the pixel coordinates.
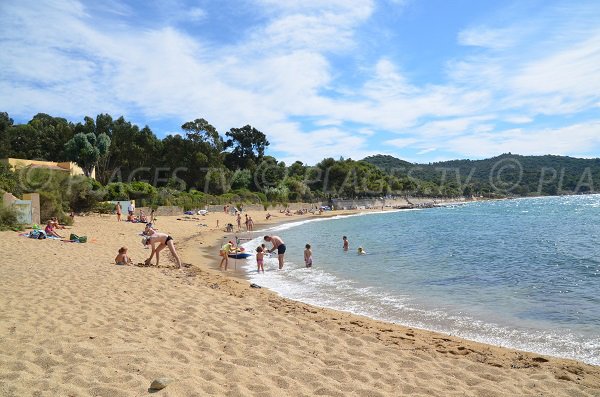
(508, 174)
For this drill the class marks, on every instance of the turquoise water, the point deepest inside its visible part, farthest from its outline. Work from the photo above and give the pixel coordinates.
(518, 273)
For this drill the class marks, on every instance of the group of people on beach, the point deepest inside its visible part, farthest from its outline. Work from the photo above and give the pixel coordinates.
(142, 218)
(277, 245)
(157, 242)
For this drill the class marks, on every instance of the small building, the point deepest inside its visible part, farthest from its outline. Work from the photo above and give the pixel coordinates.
(66, 166)
(28, 209)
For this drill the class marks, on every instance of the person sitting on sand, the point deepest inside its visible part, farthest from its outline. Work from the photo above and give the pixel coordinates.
(260, 259)
(224, 253)
(50, 230)
(268, 216)
(149, 229)
(361, 251)
(122, 258)
(158, 242)
(278, 245)
(143, 218)
(308, 256)
(56, 224)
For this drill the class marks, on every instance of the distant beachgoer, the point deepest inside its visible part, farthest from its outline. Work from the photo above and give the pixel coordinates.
(361, 251)
(149, 229)
(268, 216)
(246, 222)
(57, 224)
(260, 258)
(278, 245)
(122, 258)
(224, 253)
(346, 243)
(239, 221)
(131, 208)
(250, 224)
(50, 230)
(159, 241)
(308, 261)
(118, 210)
(152, 215)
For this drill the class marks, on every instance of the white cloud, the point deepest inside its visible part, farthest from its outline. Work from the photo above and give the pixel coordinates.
(487, 37)
(425, 151)
(565, 140)
(283, 68)
(401, 142)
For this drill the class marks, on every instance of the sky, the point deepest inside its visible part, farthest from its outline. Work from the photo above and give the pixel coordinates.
(421, 80)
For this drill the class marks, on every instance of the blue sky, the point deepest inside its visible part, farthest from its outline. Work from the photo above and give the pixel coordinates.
(420, 80)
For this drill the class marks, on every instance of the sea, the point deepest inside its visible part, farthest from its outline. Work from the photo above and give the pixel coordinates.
(522, 273)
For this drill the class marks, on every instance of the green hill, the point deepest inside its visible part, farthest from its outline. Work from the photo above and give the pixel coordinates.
(507, 174)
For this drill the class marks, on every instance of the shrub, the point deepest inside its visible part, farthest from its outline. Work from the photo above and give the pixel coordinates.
(104, 208)
(8, 219)
(117, 191)
(141, 190)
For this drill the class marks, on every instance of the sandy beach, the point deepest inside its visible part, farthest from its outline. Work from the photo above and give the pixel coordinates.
(74, 324)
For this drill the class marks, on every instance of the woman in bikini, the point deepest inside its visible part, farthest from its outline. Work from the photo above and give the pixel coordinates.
(159, 241)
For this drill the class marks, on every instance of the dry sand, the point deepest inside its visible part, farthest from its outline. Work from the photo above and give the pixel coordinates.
(74, 324)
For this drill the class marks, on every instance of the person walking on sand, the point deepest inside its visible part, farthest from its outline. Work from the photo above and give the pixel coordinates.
(278, 245)
(346, 243)
(118, 210)
(308, 261)
(158, 242)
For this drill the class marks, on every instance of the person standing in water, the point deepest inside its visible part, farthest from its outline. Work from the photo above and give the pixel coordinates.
(346, 243)
(260, 259)
(308, 261)
(278, 245)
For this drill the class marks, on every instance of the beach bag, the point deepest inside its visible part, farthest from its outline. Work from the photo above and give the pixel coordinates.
(37, 234)
(78, 239)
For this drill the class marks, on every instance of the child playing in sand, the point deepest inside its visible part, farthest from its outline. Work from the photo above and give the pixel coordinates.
(260, 257)
(308, 256)
(122, 258)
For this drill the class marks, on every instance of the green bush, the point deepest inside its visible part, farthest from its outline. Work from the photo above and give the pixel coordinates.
(51, 205)
(141, 190)
(8, 219)
(83, 193)
(104, 208)
(117, 191)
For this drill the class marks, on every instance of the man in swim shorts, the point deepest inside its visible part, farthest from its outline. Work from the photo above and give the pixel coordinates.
(278, 245)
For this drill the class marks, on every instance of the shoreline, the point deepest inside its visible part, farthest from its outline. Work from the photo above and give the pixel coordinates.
(76, 324)
(247, 276)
